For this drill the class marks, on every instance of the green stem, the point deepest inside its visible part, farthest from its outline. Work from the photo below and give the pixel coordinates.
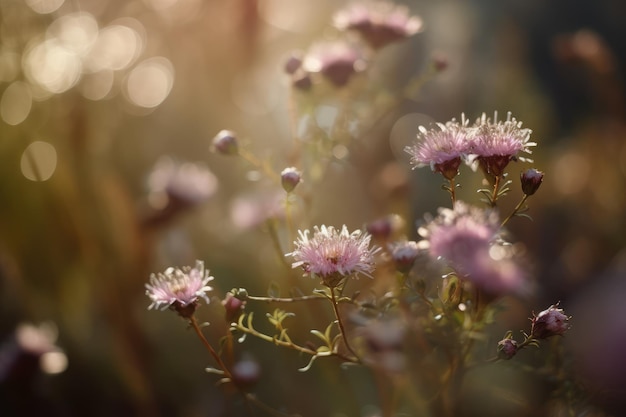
(333, 299)
(515, 210)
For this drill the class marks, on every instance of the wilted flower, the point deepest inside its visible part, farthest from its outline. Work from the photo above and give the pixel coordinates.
(531, 181)
(464, 237)
(404, 254)
(179, 289)
(337, 61)
(442, 149)
(549, 322)
(332, 255)
(495, 144)
(378, 22)
(182, 184)
(290, 178)
(225, 142)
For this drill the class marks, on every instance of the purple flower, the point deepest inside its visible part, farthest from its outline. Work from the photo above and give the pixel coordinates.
(332, 255)
(466, 238)
(290, 178)
(378, 22)
(337, 61)
(179, 289)
(404, 254)
(549, 322)
(507, 348)
(442, 149)
(531, 180)
(495, 144)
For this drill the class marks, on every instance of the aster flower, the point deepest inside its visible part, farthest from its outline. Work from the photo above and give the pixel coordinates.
(379, 23)
(179, 289)
(337, 61)
(404, 254)
(442, 149)
(464, 237)
(183, 184)
(495, 144)
(332, 255)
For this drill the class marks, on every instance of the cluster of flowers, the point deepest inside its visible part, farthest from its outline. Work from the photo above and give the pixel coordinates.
(465, 242)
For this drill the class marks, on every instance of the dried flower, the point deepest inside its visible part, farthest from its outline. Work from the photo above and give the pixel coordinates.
(378, 22)
(332, 255)
(225, 142)
(442, 149)
(290, 178)
(404, 254)
(179, 289)
(495, 144)
(337, 61)
(531, 181)
(507, 348)
(549, 322)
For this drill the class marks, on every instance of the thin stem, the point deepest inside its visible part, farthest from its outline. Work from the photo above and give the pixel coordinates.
(333, 299)
(496, 188)
(261, 165)
(515, 210)
(452, 192)
(285, 300)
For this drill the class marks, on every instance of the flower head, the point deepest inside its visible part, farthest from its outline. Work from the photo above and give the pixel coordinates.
(179, 289)
(226, 143)
(549, 322)
(404, 253)
(332, 255)
(507, 348)
(466, 238)
(531, 180)
(337, 61)
(442, 149)
(290, 178)
(378, 22)
(495, 144)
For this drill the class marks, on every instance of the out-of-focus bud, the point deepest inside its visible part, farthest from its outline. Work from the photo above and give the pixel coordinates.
(246, 372)
(385, 227)
(549, 322)
(290, 178)
(234, 306)
(440, 62)
(404, 254)
(531, 180)
(225, 142)
(507, 348)
(302, 81)
(293, 63)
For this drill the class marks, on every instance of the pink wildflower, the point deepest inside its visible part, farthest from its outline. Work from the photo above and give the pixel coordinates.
(378, 22)
(464, 237)
(495, 144)
(179, 289)
(332, 255)
(442, 149)
(404, 253)
(337, 61)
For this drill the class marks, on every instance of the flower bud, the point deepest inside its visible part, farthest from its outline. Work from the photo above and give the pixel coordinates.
(531, 180)
(246, 372)
(225, 142)
(404, 254)
(302, 81)
(234, 306)
(290, 178)
(293, 63)
(549, 322)
(507, 348)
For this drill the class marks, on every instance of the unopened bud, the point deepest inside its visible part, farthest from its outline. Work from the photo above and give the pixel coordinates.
(246, 372)
(293, 63)
(549, 322)
(507, 348)
(290, 178)
(404, 254)
(531, 180)
(234, 306)
(225, 142)
(302, 81)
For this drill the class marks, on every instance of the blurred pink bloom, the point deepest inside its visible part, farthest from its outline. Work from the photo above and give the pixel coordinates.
(179, 288)
(337, 61)
(442, 149)
(332, 255)
(182, 184)
(464, 237)
(495, 144)
(404, 254)
(378, 22)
